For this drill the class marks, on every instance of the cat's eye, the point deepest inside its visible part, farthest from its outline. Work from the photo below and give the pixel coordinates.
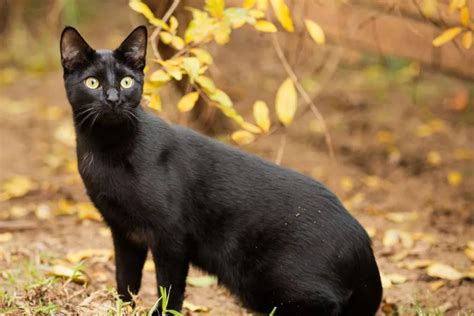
(126, 82)
(91, 83)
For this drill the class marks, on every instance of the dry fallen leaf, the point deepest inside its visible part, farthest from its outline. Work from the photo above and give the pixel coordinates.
(67, 272)
(415, 264)
(149, 266)
(195, 308)
(371, 231)
(100, 255)
(393, 237)
(347, 184)
(201, 281)
(436, 285)
(388, 280)
(88, 211)
(17, 186)
(443, 271)
(4, 237)
(398, 217)
(454, 178)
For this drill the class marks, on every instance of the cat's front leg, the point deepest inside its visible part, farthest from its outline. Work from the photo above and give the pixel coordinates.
(172, 268)
(129, 260)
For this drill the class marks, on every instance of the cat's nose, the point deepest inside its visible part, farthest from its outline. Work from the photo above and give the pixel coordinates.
(112, 96)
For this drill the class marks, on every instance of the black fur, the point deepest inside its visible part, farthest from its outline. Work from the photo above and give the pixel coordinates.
(272, 236)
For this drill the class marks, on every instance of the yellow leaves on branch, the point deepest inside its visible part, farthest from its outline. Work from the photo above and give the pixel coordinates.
(261, 115)
(315, 31)
(286, 102)
(188, 101)
(140, 7)
(283, 15)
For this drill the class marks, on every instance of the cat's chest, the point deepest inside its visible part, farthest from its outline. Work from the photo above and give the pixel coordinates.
(116, 180)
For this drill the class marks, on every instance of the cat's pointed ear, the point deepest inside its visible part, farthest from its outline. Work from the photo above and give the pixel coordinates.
(74, 49)
(133, 48)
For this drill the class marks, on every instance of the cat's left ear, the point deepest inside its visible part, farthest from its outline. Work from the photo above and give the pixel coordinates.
(133, 48)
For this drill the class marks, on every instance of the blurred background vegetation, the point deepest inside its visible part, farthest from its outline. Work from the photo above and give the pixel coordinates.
(400, 113)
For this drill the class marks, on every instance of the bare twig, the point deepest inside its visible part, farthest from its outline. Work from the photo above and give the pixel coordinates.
(303, 93)
(281, 149)
(156, 32)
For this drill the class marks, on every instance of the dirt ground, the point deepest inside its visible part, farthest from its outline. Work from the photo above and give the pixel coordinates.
(404, 167)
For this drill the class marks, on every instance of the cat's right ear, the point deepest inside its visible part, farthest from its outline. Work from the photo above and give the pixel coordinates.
(74, 49)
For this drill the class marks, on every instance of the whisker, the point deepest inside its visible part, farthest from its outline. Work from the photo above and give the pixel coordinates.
(84, 119)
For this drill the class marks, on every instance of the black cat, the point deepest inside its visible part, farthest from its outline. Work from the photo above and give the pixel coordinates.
(272, 236)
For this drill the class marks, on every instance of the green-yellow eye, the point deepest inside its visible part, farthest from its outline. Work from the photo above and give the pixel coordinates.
(91, 83)
(126, 82)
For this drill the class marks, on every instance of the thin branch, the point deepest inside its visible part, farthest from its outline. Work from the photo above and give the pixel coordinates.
(281, 149)
(156, 32)
(303, 93)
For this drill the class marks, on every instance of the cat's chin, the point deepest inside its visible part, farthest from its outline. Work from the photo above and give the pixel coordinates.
(115, 117)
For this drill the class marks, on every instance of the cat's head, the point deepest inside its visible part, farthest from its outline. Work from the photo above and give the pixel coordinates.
(103, 86)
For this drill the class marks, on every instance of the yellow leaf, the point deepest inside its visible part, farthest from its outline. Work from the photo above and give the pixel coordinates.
(454, 178)
(17, 186)
(399, 217)
(243, 137)
(86, 211)
(207, 84)
(142, 8)
(221, 98)
(467, 39)
(188, 101)
(203, 55)
(251, 128)
(315, 31)
(436, 285)
(257, 14)
(221, 33)
(191, 66)
(347, 184)
(393, 237)
(465, 16)
(155, 102)
(262, 5)
(149, 266)
(433, 158)
(195, 308)
(385, 137)
(265, 26)
(173, 24)
(102, 255)
(4, 237)
(159, 23)
(177, 42)
(286, 102)
(416, 264)
(261, 115)
(215, 8)
(447, 36)
(166, 37)
(160, 76)
(456, 4)
(248, 4)
(443, 271)
(282, 13)
(469, 252)
(429, 7)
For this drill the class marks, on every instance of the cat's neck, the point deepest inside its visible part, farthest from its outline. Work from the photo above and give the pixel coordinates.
(112, 139)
